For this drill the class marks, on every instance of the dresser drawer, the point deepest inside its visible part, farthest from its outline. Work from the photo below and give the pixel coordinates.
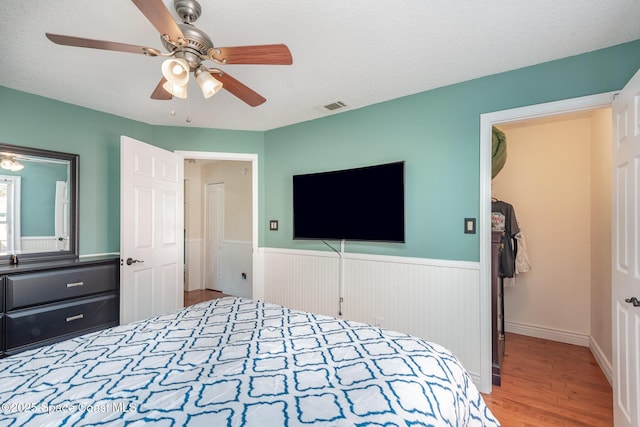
(29, 289)
(60, 320)
(2, 335)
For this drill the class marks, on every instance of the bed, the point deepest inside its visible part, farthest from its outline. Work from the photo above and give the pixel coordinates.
(239, 362)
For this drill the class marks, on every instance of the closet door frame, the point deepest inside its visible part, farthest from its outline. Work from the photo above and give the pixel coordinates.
(487, 121)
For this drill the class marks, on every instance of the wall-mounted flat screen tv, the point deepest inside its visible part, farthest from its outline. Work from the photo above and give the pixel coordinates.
(363, 204)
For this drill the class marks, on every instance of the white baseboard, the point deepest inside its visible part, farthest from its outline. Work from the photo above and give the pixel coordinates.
(547, 333)
(567, 338)
(601, 359)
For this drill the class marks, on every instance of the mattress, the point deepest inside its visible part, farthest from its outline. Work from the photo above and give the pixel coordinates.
(239, 362)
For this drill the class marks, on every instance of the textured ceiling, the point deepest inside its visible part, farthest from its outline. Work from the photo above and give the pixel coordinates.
(360, 52)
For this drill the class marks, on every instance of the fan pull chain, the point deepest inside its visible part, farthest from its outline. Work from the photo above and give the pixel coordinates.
(188, 119)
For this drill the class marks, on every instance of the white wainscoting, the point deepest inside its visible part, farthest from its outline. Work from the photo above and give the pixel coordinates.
(432, 299)
(39, 244)
(302, 280)
(193, 274)
(236, 261)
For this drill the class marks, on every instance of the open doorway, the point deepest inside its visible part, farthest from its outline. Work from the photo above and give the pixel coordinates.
(220, 222)
(487, 121)
(557, 177)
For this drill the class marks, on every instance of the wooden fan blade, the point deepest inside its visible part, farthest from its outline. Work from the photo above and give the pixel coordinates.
(238, 89)
(160, 17)
(95, 44)
(160, 93)
(267, 54)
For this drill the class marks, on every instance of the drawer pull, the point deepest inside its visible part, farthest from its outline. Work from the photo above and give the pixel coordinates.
(73, 285)
(76, 317)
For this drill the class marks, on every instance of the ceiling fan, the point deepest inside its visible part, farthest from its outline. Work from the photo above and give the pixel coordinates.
(187, 48)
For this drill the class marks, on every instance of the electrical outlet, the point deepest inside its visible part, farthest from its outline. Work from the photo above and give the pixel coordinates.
(377, 321)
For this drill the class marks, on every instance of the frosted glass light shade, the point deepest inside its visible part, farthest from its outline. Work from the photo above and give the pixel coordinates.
(176, 70)
(208, 84)
(179, 91)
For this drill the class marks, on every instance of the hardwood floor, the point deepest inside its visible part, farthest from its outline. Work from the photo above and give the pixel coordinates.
(546, 383)
(199, 295)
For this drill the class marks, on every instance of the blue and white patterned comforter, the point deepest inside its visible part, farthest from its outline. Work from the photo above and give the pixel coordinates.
(238, 362)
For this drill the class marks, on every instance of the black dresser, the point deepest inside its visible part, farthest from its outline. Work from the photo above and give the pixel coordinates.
(45, 302)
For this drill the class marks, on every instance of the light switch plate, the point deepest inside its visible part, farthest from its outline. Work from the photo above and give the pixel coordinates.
(273, 225)
(469, 226)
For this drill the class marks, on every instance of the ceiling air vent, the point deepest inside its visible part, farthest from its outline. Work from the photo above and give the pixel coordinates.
(335, 105)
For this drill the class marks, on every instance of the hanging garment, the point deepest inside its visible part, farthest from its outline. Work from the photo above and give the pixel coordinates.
(522, 257)
(522, 260)
(503, 218)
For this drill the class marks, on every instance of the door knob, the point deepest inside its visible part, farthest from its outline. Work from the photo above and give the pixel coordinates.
(133, 261)
(633, 300)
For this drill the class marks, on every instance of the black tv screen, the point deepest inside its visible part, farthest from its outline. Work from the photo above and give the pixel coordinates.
(364, 204)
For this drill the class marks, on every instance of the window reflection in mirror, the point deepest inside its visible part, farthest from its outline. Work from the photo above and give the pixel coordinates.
(37, 202)
(10, 214)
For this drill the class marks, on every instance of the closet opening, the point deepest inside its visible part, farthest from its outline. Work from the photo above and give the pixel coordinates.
(557, 177)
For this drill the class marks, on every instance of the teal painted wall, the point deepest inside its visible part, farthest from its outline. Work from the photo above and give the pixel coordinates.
(34, 121)
(38, 196)
(437, 134)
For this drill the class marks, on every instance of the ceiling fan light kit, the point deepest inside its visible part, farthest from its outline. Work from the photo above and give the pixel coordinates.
(179, 91)
(11, 164)
(208, 84)
(187, 48)
(176, 70)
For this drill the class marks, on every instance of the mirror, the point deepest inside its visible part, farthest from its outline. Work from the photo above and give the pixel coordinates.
(38, 204)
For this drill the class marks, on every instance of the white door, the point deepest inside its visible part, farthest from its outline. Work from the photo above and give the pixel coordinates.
(626, 255)
(214, 228)
(151, 229)
(61, 216)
